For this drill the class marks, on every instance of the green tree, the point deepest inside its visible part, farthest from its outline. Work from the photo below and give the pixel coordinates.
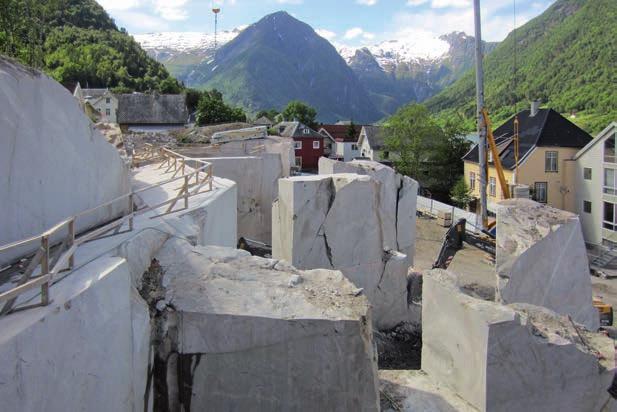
(211, 109)
(270, 114)
(169, 86)
(300, 111)
(461, 194)
(352, 132)
(192, 99)
(424, 150)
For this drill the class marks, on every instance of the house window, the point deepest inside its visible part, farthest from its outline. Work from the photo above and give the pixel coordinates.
(354, 146)
(609, 150)
(540, 192)
(492, 187)
(550, 162)
(587, 173)
(586, 206)
(316, 144)
(610, 186)
(298, 145)
(609, 217)
(306, 131)
(490, 156)
(472, 181)
(299, 162)
(107, 100)
(108, 112)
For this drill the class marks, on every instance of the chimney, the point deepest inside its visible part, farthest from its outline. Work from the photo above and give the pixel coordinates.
(535, 108)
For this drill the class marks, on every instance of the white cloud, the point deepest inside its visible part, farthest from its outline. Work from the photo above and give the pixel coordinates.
(142, 22)
(326, 34)
(442, 4)
(415, 3)
(171, 9)
(357, 32)
(120, 4)
(367, 2)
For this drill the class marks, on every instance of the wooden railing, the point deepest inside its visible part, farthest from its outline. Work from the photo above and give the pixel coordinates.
(54, 259)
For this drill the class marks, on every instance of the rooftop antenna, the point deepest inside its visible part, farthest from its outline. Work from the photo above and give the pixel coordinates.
(216, 9)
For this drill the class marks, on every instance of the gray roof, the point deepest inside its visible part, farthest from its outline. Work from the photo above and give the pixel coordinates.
(295, 129)
(375, 137)
(138, 108)
(263, 121)
(93, 93)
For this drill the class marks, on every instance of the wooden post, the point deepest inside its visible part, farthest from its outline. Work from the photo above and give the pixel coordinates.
(186, 192)
(131, 210)
(45, 270)
(71, 242)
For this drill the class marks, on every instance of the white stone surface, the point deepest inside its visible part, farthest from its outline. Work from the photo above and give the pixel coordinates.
(398, 197)
(511, 358)
(334, 222)
(53, 162)
(542, 260)
(258, 343)
(77, 353)
(257, 181)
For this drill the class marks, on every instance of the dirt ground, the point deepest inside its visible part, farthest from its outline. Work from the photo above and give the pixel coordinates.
(473, 266)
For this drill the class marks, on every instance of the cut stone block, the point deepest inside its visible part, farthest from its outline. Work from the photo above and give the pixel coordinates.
(398, 197)
(334, 222)
(542, 260)
(511, 358)
(257, 334)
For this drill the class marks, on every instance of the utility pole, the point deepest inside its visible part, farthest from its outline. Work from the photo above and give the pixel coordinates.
(481, 124)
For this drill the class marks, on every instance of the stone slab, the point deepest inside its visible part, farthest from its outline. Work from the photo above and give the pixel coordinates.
(259, 334)
(542, 260)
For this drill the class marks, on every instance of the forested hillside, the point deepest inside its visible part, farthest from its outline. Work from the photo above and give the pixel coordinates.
(75, 40)
(566, 57)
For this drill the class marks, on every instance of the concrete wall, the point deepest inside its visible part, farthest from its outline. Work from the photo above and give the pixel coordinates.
(257, 182)
(53, 163)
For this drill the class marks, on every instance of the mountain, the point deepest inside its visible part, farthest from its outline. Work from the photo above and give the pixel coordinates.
(279, 59)
(76, 40)
(565, 57)
(180, 52)
(398, 72)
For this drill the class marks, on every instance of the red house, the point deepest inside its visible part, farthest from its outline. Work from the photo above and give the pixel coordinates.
(308, 143)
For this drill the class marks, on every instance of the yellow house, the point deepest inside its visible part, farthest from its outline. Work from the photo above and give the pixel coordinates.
(548, 143)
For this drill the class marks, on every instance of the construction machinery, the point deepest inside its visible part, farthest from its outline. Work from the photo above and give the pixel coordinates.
(457, 235)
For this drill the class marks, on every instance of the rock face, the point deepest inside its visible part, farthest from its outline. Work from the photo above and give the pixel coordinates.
(257, 334)
(541, 260)
(511, 358)
(53, 162)
(257, 180)
(334, 222)
(398, 198)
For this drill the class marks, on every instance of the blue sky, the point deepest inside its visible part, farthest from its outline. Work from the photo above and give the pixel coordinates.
(348, 22)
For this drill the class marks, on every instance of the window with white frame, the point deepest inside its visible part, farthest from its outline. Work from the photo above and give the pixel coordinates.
(472, 181)
(299, 161)
(107, 100)
(609, 222)
(586, 206)
(492, 186)
(550, 162)
(297, 145)
(316, 144)
(609, 150)
(354, 146)
(306, 131)
(540, 192)
(587, 173)
(610, 185)
(108, 112)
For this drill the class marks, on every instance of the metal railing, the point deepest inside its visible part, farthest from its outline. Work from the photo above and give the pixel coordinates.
(54, 259)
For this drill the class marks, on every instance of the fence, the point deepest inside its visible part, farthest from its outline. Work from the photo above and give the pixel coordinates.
(433, 207)
(54, 259)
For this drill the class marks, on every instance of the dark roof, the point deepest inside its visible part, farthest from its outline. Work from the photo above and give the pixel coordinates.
(546, 129)
(140, 108)
(375, 137)
(70, 86)
(296, 129)
(93, 93)
(339, 132)
(263, 121)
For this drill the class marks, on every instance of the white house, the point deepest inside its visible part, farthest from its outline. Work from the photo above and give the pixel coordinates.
(371, 144)
(344, 140)
(104, 102)
(596, 188)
